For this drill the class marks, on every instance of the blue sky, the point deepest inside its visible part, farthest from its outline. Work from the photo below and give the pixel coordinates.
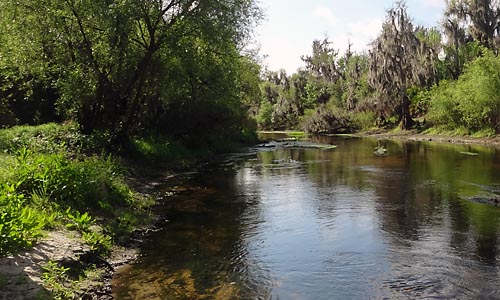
(291, 25)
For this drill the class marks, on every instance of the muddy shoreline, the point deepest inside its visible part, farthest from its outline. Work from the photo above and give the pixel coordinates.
(21, 273)
(421, 137)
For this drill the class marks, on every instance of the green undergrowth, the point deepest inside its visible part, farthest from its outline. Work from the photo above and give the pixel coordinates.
(183, 152)
(52, 175)
(158, 149)
(49, 177)
(461, 131)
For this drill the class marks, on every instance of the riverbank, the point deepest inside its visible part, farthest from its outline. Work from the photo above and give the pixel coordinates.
(81, 273)
(71, 213)
(411, 135)
(62, 265)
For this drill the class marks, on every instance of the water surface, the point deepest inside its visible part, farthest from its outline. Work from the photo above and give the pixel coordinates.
(344, 223)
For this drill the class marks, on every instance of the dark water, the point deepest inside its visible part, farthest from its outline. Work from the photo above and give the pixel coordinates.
(329, 224)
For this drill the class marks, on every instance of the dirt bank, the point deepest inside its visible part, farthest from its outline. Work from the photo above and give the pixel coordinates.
(20, 274)
(415, 136)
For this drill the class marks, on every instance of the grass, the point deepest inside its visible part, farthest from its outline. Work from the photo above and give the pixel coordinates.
(4, 280)
(158, 149)
(48, 180)
(461, 131)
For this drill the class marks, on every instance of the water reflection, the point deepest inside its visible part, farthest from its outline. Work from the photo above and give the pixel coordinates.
(330, 224)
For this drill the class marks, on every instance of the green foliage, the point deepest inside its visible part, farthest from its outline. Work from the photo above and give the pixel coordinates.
(328, 119)
(402, 56)
(157, 148)
(364, 120)
(127, 67)
(420, 101)
(47, 180)
(56, 279)
(79, 221)
(20, 225)
(82, 184)
(328, 80)
(52, 138)
(97, 241)
(472, 101)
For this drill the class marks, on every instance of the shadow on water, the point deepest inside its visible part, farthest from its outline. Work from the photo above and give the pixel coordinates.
(341, 223)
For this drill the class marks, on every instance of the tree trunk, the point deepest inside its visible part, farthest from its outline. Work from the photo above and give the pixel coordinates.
(407, 121)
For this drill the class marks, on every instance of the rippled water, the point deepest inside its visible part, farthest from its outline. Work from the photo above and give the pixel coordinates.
(344, 223)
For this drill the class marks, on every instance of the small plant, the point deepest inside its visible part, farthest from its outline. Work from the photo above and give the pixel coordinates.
(20, 225)
(56, 279)
(97, 241)
(79, 221)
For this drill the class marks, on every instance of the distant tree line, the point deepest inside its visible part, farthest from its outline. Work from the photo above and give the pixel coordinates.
(125, 67)
(446, 77)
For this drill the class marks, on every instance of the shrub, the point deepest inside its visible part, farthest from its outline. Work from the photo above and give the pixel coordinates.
(365, 120)
(327, 119)
(90, 184)
(473, 100)
(20, 225)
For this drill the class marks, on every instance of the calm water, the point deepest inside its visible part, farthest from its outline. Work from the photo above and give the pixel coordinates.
(329, 224)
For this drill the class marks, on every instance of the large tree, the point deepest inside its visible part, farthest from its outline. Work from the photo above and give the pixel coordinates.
(399, 60)
(468, 24)
(113, 61)
(479, 18)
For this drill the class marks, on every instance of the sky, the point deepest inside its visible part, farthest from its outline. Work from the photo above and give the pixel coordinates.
(290, 26)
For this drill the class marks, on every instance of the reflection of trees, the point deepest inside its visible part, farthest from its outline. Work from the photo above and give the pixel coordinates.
(416, 188)
(406, 199)
(201, 249)
(417, 185)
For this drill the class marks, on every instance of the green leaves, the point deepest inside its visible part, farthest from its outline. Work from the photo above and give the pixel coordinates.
(472, 101)
(20, 225)
(116, 66)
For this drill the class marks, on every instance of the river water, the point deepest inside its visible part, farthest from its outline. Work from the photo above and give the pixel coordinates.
(344, 223)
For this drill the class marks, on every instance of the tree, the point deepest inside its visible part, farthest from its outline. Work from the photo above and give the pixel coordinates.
(323, 61)
(113, 61)
(480, 18)
(398, 60)
(467, 25)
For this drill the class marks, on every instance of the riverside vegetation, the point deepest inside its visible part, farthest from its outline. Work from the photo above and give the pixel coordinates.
(89, 88)
(133, 82)
(441, 80)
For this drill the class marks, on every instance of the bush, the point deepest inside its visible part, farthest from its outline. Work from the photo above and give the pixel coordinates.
(473, 101)
(327, 119)
(90, 184)
(156, 148)
(365, 120)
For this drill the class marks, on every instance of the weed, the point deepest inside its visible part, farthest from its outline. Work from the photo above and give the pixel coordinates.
(56, 279)
(97, 241)
(20, 225)
(78, 221)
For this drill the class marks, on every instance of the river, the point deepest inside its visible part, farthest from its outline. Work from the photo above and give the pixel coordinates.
(343, 223)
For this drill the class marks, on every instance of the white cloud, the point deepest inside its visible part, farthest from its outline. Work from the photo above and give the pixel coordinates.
(326, 14)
